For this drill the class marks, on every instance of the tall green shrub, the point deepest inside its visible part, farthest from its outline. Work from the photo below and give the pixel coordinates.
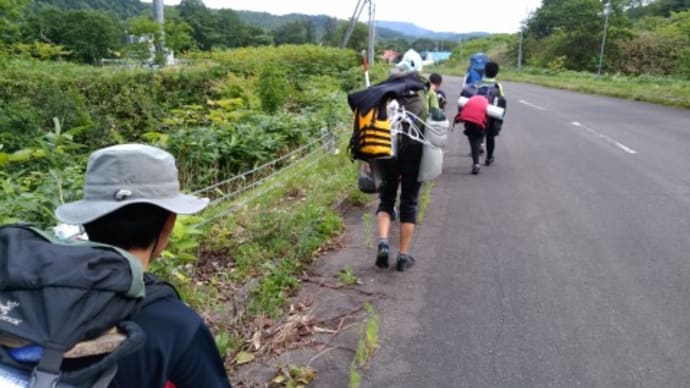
(273, 88)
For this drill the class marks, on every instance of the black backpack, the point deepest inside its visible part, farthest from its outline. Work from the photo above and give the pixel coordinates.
(55, 295)
(491, 91)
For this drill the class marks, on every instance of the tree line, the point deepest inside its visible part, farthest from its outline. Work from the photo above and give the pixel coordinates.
(88, 31)
(642, 36)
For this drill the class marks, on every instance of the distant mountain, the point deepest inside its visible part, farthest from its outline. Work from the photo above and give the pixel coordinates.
(405, 28)
(270, 22)
(385, 30)
(414, 31)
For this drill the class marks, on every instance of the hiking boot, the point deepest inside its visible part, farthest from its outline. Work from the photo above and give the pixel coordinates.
(489, 161)
(475, 169)
(382, 255)
(404, 262)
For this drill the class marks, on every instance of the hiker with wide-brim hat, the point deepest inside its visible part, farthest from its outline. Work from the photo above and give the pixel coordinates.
(131, 200)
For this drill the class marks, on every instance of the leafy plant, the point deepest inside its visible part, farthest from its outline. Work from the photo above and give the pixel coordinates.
(347, 277)
(42, 176)
(293, 376)
(226, 343)
(182, 249)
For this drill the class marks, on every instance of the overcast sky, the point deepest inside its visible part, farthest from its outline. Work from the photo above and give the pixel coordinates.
(436, 15)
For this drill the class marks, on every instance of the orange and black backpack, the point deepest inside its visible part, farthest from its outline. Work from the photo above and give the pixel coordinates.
(371, 133)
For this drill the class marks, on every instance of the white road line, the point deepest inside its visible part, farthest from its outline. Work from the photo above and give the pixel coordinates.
(606, 138)
(523, 102)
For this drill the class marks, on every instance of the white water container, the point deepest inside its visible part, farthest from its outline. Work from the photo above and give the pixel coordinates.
(493, 111)
(431, 164)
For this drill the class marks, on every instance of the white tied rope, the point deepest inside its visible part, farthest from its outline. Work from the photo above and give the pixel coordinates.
(397, 115)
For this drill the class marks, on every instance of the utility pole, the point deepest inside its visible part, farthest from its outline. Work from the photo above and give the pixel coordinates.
(462, 57)
(607, 11)
(158, 17)
(353, 21)
(372, 28)
(519, 64)
(372, 31)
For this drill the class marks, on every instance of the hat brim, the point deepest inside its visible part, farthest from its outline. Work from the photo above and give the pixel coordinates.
(84, 211)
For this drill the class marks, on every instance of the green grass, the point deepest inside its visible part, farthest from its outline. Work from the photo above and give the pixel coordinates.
(648, 88)
(654, 89)
(367, 345)
(425, 198)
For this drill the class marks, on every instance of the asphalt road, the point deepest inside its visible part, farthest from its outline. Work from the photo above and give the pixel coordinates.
(564, 264)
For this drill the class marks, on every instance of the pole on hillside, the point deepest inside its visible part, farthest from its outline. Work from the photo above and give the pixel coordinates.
(607, 11)
(372, 32)
(158, 17)
(519, 64)
(462, 58)
(353, 21)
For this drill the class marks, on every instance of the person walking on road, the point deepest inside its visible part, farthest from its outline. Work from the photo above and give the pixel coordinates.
(478, 124)
(402, 171)
(493, 127)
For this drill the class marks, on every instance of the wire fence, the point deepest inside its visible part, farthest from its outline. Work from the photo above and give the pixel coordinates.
(315, 150)
(283, 175)
(262, 167)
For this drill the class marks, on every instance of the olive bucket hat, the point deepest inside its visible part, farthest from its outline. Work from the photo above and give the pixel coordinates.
(125, 174)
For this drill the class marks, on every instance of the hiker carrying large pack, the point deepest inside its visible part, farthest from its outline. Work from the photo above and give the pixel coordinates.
(371, 134)
(482, 106)
(399, 170)
(53, 297)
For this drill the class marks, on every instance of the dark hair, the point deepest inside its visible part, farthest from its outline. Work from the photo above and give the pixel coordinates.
(491, 69)
(435, 78)
(134, 226)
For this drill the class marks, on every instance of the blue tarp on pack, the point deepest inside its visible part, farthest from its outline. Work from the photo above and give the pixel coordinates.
(478, 61)
(475, 71)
